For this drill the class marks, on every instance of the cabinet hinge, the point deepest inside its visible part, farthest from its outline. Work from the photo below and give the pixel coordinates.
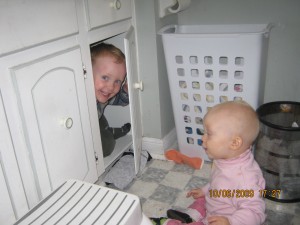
(96, 158)
(84, 71)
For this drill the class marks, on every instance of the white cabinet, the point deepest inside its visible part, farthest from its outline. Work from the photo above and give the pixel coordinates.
(13, 203)
(6, 207)
(52, 100)
(102, 12)
(48, 115)
(26, 23)
(47, 121)
(135, 85)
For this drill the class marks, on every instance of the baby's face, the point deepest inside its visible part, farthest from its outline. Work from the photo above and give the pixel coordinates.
(108, 77)
(217, 137)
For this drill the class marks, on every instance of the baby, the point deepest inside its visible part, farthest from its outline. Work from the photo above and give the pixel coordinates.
(109, 72)
(232, 195)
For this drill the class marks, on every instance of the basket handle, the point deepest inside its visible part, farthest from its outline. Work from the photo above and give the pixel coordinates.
(169, 29)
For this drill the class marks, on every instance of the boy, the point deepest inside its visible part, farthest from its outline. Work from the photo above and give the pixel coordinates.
(109, 72)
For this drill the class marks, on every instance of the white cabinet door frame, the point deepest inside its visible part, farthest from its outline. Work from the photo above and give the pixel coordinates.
(14, 115)
(13, 202)
(52, 101)
(105, 12)
(135, 85)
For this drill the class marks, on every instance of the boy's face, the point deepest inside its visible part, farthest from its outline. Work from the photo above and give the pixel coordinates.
(108, 77)
(217, 137)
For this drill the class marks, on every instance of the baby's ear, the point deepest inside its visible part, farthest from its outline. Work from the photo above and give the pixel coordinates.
(236, 143)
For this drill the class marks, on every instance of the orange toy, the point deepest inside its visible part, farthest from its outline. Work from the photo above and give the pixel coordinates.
(180, 158)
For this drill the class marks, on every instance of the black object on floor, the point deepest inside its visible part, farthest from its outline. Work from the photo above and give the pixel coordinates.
(176, 215)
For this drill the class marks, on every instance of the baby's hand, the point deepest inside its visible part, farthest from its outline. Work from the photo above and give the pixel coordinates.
(218, 220)
(195, 193)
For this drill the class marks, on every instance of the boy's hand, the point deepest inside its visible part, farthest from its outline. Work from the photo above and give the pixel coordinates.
(125, 86)
(195, 193)
(218, 220)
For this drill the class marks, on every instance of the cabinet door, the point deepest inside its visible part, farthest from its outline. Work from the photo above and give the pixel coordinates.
(102, 12)
(134, 88)
(13, 202)
(53, 104)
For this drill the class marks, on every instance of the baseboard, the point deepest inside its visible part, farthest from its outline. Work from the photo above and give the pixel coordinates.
(157, 147)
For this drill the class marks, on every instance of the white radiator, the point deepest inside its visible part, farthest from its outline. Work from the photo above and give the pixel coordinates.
(77, 202)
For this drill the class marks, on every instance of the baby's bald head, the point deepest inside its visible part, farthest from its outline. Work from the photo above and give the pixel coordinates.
(237, 117)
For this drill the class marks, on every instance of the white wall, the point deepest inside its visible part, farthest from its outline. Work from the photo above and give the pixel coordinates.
(283, 72)
(157, 113)
(283, 69)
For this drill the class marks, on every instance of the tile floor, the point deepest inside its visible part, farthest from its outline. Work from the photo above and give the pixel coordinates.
(163, 184)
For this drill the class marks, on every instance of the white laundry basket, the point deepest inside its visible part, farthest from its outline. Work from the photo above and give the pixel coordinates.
(209, 64)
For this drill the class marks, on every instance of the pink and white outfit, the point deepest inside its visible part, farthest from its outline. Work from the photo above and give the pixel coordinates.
(237, 175)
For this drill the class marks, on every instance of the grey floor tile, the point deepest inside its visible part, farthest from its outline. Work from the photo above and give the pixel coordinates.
(183, 168)
(205, 171)
(142, 188)
(176, 180)
(152, 208)
(195, 182)
(162, 164)
(165, 194)
(153, 175)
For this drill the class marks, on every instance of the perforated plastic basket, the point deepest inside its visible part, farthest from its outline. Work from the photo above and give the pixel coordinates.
(209, 64)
